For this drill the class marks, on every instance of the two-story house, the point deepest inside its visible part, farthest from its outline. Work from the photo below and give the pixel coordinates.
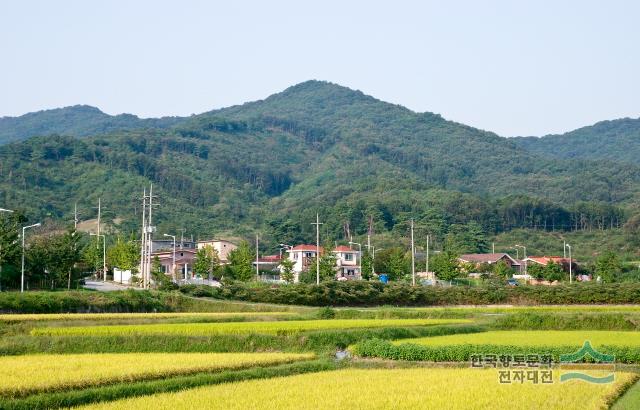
(347, 263)
(302, 256)
(222, 247)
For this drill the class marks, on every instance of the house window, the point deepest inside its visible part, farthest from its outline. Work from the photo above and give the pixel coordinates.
(309, 255)
(348, 256)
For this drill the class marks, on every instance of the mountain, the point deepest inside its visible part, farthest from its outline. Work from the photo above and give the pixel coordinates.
(78, 121)
(617, 140)
(270, 165)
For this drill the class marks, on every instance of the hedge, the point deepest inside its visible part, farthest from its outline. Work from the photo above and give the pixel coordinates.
(461, 353)
(363, 293)
(93, 302)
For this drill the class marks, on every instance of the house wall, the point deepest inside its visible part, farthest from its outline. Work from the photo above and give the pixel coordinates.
(223, 248)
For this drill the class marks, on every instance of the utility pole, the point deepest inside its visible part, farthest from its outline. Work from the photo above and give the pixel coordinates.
(566, 245)
(427, 256)
(182, 231)
(413, 258)
(150, 237)
(493, 247)
(24, 228)
(173, 263)
(104, 254)
(564, 248)
(257, 259)
(317, 224)
(98, 234)
(143, 241)
(75, 216)
(369, 233)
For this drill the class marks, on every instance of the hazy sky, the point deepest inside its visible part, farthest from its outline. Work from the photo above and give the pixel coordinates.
(513, 67)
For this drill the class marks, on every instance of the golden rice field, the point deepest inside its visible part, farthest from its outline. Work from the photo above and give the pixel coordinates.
(32, 373)
(418, 388)
(534, 338)
(282, 327)
(116, 316)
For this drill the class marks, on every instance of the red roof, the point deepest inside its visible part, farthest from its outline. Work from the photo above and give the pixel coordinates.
(308, 248)
(270, 258)
(343, 248)
(543, 260)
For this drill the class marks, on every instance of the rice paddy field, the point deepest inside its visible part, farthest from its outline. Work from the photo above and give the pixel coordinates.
(272, 328)
(568, 338)
(235, 355)
(384, 389)
(24, 374)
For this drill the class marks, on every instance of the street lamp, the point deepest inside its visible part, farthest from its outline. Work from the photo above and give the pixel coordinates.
(173, 266)
(373, 264)
(359, 250)
(524, 256)
(24, 228)
(517, 251)
(104, 254)
(570, 263)
(6, 210)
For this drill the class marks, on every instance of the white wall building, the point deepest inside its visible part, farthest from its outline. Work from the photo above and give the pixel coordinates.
(221, 246)
(302, 256)
(347, 263)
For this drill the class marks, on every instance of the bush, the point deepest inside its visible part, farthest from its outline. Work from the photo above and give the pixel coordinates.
(97, 302)
(363, 293)
(461, 353)
(326, 313)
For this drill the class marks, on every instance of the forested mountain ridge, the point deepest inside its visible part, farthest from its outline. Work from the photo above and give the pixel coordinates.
(269, 165)
(615, 140)
(77, 121)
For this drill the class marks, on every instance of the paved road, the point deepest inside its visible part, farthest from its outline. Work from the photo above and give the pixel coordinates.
(105, 286)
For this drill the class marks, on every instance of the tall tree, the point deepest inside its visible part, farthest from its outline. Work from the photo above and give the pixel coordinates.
(608, 266)
(240, 262)
(446, 266)
(124, 254)
(366, 266)
(9, 246)
(286, 266)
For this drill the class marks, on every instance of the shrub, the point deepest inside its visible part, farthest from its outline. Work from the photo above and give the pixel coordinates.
(363, 293)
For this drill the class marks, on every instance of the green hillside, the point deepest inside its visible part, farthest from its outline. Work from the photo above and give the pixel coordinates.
(77, 121)
(270, 165)
(617, 140)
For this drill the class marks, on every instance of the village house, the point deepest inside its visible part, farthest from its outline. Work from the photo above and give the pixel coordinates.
(545, 260)
(184, 262)
(222, 247)
(185, 254)
(302, 256)
(347, 263)
(478, 259)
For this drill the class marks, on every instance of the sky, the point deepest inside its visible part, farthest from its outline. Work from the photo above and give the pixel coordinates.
(512, 67)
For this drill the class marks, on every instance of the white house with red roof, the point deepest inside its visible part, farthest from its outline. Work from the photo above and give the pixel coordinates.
(302, 256)
(347, 263)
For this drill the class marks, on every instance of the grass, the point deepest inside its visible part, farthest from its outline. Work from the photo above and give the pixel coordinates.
(630, 400)
(21, 375)
(533, 338)
(39, 317)
(317, 341)
(274, 328)
(382, 389)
